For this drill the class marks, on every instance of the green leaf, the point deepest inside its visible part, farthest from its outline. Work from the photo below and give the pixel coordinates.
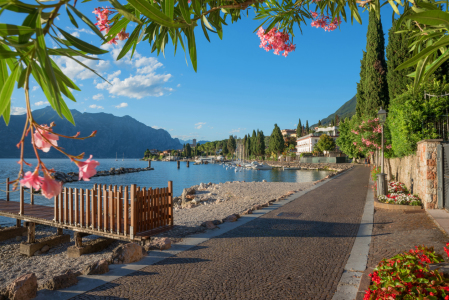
(72, 19)
(70, 52)
(124, 12)
(82, 45)
(6, 92)
(8, 29)
(87, 21)
(30, 21)
(427, 51)
(7, 54)
(185, 10)
(129, 42)
(207, 23)
(431, 17)
(6, 115)
(116, 28)
(205, 31)
(192, 47)
(153, 13)
(169, 8)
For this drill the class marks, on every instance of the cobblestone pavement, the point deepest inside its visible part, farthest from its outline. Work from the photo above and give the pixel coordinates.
(395, 232)
(277, 256)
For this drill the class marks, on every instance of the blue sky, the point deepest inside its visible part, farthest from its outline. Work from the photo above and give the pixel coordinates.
(238, 87)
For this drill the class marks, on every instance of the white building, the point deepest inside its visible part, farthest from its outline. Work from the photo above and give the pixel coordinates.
(307, 143)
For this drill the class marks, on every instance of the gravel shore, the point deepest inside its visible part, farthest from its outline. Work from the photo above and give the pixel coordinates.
(211, 202)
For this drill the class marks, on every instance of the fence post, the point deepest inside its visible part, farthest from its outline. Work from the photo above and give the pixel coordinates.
(22, 211)
(7, 189)
(170, 200)
(32, 196)
(133, 226)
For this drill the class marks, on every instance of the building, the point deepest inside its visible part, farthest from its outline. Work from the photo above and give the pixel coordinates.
(193, 144)
(306, 144)
(288, 133)
(154, 151)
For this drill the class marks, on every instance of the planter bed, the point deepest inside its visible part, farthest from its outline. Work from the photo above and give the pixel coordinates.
(378, 204)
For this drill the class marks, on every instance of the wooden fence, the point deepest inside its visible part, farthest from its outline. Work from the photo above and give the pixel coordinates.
(115, 210)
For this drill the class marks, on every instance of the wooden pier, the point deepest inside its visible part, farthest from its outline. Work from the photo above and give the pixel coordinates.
(132, 214)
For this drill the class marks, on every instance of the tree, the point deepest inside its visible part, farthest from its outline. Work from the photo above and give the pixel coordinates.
(231, 144)
(319, 122)
(224, 150)
(345, 140)
(244, 145)
(325, 143)
(147, 153)
(332, 122)
(261, 143)
(254, 143)
(188, 150)
(307, 127)
(299, 129)
(360, 96)
(276, 141)
(248, 146)
(397, 53)
(375, 85)
(336, 120)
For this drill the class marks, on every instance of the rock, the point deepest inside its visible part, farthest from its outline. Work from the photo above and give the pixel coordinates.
(158, 244)
(202, 186)
(18, 238)
(45, 249)
(256, 207)
(25, 233)
(231, 218)
(217, 222)
(97, 268)
(61, 281)
(23, 287)
(209, 225)
(128, 253)
(37, 253)
(248, 212)
(264, 180)
(165, 244)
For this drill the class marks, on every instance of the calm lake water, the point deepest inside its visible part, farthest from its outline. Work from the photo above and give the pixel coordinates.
(163, 172)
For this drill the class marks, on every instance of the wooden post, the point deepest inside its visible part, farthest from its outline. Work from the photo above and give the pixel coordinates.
(32, 196)
(21, 212)
(149, 164)
(99, 207)
(179, 164)
(70, 196)
(78, 240)
(77, 207)
(93, 196)
(7, 189)
(56, 219)
(170, 200)
(111, 210)
(59, 231)
(133, 212)
(119, 209)
(31, 233)
(82, 213)
(126, 212)
(188, 162)
(66, 204)
(105, 209)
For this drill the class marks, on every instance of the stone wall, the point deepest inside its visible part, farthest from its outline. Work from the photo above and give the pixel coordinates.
(420, 170)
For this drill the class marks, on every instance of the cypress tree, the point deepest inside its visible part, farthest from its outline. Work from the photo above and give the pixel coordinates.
(336, 120)
(231, 144)
(397, 53)
(319, 122)
(299, 129)
(245, 144)
(254, 143)
(188, 150)
(307, 127)
(248, 145)
(360, 96)
(332, 122)
(261, 138)
(276, 140)
(375, 85)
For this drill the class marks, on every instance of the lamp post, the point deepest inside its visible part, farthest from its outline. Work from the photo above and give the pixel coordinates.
(381, 178)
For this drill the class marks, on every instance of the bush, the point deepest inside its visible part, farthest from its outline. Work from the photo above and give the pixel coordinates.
(407, 112)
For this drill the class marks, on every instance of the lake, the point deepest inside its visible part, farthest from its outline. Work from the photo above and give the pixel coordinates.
(163, 172)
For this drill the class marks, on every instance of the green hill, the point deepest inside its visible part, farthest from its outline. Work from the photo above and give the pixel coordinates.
(346, 110)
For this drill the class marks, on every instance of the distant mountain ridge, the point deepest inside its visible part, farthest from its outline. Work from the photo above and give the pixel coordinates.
(122, 135)
(191, 141)
(347, 110)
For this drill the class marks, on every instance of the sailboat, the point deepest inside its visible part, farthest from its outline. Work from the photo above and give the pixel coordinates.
(116, 156)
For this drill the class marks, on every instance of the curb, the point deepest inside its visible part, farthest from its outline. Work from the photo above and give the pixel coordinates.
(89, 282)
(350, 280)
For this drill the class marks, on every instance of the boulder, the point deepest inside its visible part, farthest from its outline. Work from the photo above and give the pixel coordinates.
(128, 253)
(209, 225)
(231, 218)
(18, 238)
(23, 287)
(45, 249)
(61, 281)
(97, 268)
(217, 222)
(158, 244)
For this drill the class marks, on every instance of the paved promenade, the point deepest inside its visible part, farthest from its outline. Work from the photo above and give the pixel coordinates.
(295, 252)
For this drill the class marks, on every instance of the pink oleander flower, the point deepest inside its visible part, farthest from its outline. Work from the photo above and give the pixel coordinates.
(275, 40)
(355, 144)
(333, 25)
(43, 144)
(388, 147)
(87, 168)
(113, 41)
(50, 187)
(122, 35)
(314, 14)
(190, 1)
(31, 180)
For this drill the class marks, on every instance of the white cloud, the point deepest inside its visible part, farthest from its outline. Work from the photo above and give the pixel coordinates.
(236, 130)
(98, 97)
(199, 125)
(76, 71)
(123, 104)
(179, 85)
(114, 75)
(76, 34)
(157, 127)
(40, 103)
(80, 30)
(35, 88)
(96, 106)
(18, 110)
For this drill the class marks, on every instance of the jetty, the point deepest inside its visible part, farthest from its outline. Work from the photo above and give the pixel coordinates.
(73, 176)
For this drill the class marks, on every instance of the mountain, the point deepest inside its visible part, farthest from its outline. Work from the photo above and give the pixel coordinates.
(121, 135)
(346, 110)
(191, 141)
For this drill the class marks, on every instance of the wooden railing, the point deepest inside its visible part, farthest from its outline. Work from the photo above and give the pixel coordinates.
(116, 210)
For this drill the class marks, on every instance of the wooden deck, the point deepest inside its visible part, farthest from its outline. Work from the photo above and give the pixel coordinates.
(111, 212)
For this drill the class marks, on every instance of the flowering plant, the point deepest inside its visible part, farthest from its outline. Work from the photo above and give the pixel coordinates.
(398, 194)
(396, 187)
(368, 137)
(407, 276)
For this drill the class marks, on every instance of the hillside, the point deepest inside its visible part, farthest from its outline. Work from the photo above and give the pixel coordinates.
(346, 110)
(122, 135)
